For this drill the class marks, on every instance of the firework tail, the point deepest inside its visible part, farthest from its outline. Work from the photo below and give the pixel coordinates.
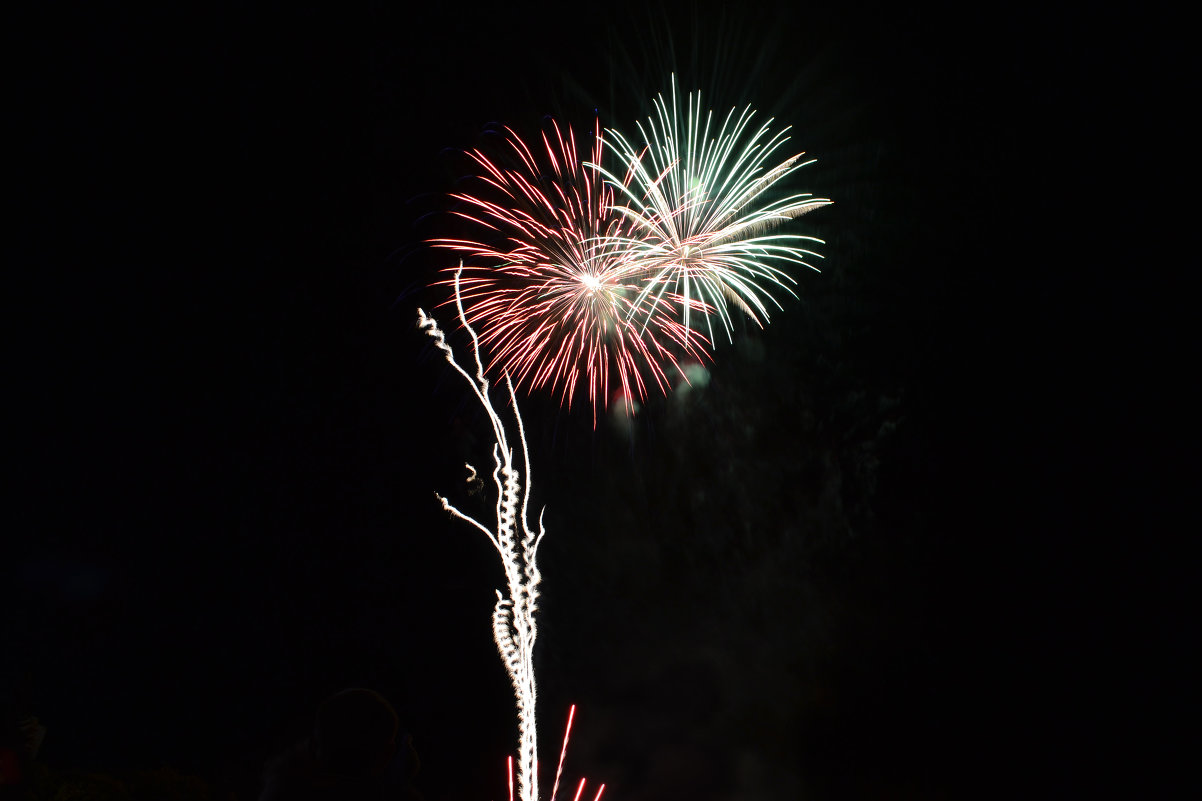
(513, 616)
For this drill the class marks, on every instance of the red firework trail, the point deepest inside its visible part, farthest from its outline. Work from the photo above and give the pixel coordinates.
(563, 752)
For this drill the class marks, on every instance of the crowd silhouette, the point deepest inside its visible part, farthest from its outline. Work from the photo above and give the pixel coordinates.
(356, 750)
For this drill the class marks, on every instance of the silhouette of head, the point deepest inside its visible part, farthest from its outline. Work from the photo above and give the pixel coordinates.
(355, 733)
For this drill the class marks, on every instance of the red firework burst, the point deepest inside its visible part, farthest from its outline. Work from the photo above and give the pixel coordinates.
(556, 304)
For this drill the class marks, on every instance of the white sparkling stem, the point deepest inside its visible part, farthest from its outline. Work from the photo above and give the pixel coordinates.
(513, 616)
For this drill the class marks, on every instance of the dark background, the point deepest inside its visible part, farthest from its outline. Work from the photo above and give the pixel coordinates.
(896, 548)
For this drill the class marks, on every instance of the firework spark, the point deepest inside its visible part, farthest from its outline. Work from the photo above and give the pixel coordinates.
(556, 303)
(696, 219)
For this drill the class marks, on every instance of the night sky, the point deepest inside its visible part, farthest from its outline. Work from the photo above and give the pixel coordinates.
(888, 551)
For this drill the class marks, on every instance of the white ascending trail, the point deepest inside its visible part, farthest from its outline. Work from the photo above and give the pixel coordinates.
(513, 617)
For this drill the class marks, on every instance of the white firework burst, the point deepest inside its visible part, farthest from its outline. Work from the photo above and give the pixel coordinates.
(703, 204)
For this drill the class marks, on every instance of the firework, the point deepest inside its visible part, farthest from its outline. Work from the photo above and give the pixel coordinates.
(514, 627)
(698, 214)
(559, 771)
(558, 304)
